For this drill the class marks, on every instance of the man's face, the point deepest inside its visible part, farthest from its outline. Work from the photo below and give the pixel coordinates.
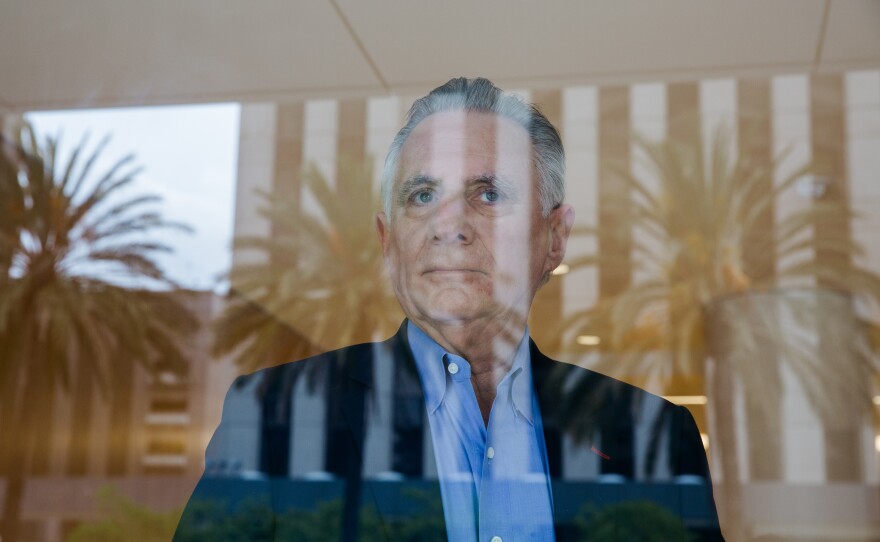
(466, 241)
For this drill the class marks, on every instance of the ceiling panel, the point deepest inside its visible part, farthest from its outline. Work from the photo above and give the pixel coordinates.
(88, 53)
(98, 53)
(418, 42)
(852, 36)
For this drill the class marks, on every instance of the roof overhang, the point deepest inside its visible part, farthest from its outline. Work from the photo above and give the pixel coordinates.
(57, 54)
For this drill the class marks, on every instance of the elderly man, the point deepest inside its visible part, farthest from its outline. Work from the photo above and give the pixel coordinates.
(474, 223)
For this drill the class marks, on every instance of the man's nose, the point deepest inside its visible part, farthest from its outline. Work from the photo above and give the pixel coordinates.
(451, 222)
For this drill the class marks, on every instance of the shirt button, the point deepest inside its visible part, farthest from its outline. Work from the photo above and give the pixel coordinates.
(490, 453)
(496, 539)
(453, 368)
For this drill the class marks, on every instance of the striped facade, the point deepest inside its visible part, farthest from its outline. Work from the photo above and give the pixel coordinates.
(150, 442)
(834, 118)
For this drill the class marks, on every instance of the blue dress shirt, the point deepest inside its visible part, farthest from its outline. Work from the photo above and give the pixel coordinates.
(494, 479)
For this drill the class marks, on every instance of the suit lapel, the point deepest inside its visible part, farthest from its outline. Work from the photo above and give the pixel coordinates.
(542, 370)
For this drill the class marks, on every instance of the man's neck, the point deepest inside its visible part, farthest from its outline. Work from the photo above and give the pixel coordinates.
(488, 346)
(483, 344)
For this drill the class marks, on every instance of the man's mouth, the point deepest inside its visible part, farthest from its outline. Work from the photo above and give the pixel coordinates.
(451, 271)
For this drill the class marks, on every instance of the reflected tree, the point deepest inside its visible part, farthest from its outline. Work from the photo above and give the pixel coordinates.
(694, 215)
(123, 520)
(631, 522)
(317, 283)
(81, 297)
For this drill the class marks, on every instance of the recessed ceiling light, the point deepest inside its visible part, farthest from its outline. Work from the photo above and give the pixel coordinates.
(588, 340)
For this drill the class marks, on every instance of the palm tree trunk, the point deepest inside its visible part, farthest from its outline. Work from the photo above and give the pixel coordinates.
(15, 459)
(723, 399)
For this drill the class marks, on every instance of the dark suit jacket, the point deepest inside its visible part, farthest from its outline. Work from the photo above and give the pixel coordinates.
(652, 483)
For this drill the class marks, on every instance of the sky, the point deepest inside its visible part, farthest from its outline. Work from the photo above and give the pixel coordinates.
(189, 158)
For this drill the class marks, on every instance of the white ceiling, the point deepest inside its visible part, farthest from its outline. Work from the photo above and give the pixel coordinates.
(97, 53)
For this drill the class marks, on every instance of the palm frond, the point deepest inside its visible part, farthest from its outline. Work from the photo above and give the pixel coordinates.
(317, 283)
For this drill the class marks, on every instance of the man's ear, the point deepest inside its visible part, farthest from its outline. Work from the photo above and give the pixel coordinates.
(561, 221)
(382, 228)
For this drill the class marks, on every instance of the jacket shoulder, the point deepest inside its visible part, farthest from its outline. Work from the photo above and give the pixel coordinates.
(564, 376)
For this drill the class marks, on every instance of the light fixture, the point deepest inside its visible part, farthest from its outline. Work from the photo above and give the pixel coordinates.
(877, 443)
(705, 438)
(877, 400)
(561, 269)
(687, 399)
(588, 340)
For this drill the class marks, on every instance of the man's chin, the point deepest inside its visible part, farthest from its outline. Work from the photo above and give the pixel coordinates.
(451, 315)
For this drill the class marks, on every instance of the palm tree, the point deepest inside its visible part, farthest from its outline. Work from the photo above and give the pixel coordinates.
(75, 255)
(694, 231)
(320, 280)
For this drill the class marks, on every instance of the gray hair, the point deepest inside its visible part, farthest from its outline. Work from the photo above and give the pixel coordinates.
(481, 95)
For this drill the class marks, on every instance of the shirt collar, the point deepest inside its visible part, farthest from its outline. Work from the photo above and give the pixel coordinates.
(429, 362)
(520, 375)
(516, 386)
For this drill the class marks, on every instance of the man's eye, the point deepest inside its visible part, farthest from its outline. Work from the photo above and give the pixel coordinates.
(423, 196)
(490, 196)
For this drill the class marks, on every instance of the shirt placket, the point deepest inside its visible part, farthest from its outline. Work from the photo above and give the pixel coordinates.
(465, 416)
(495, 511)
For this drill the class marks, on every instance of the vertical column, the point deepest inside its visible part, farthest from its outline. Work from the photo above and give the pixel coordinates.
(683, 110)
(207, 381)
(828, 141)
(791, 137)
(648, 121)
(755, 141)
(615, 237)
(319, 144)
(384, 119)
(580, 123)
(614, 150)
(683, 126)
(754, 137)
(349, 149)
(547, 307)
(308, 437)
(237, 448)
(803, 449)
(256, 172)
(351, 131)
(387, 413)
(580, 134)
(843, 459)
(863, 162)
(288, 156)
(277, 421)
(717, 122)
